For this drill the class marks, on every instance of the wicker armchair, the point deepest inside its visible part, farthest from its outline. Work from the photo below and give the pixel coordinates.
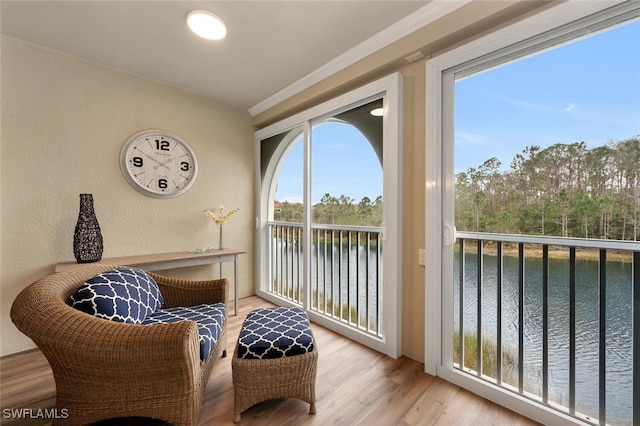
(106, 369)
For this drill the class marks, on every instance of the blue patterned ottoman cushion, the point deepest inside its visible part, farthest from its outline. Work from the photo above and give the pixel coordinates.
(275, 333)
(122, 295)
(210, 320)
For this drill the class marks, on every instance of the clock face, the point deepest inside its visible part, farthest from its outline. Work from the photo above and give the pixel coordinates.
(158, 164)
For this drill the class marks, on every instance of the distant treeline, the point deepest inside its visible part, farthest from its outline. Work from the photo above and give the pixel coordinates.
(564, 190)
(330, 210)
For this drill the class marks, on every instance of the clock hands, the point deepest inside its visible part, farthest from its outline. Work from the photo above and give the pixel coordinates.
(159, 164)
(164, 164)
(150, 158)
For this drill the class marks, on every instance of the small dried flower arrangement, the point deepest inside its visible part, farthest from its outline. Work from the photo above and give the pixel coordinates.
(219, 216)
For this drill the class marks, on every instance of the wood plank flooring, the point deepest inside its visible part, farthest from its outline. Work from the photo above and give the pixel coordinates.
(355, 386)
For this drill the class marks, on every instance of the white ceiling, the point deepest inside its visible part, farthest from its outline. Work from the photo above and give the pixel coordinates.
(270, 46)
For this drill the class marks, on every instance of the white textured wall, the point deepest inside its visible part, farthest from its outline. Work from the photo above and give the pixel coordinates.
(63, 123)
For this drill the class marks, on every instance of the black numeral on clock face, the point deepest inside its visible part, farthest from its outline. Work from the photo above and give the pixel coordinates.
(162, 183)
(137, 161)
(162, 145)
(184, 166)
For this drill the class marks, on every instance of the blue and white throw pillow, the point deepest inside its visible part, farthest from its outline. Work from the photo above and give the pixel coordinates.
(275, 333)
(123, 295)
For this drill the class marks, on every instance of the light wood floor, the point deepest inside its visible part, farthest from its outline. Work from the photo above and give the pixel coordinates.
(355, 386)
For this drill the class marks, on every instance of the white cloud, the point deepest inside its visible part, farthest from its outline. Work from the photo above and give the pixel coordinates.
(469, 139)
(531, 106)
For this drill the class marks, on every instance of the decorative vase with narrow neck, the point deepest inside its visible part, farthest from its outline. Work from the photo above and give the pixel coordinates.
(87, 239)
(220, 245)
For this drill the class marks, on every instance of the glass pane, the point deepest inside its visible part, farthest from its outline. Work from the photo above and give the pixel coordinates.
(548, 146)
(346, 192)
(284, 152)
(288, 200)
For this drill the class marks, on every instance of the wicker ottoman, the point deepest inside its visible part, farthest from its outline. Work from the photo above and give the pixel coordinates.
(275, 357)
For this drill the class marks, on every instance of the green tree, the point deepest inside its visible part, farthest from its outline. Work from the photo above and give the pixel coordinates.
(565, 190)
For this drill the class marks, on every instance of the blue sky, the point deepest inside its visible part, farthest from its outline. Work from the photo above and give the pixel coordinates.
(343, 164)
(587, 91)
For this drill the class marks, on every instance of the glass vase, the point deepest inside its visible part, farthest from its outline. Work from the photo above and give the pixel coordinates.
(220, 244)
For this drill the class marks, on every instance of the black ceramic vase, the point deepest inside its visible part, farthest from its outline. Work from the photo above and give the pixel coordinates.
(87, 239)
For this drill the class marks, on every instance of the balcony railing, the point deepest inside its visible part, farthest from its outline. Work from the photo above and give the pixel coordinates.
(346, 272)
(556, 320)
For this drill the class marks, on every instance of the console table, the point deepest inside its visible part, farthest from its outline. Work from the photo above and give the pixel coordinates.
(181, 259)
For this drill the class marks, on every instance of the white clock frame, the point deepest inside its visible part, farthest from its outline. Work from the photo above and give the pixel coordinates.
(159, 180)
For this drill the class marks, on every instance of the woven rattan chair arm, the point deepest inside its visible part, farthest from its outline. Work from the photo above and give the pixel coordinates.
(181, 292)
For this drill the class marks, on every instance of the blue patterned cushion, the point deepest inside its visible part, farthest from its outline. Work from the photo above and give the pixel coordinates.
(275, 333)
(210, 320)
(123, 295)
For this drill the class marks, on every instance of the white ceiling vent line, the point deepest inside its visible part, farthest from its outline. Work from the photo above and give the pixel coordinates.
(418, 19)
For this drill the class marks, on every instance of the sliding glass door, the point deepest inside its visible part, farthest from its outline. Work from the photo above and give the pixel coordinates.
(535, 179)
(328, 231)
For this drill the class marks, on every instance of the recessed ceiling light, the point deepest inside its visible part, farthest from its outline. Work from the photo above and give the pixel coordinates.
(378, 112)
(206, 25)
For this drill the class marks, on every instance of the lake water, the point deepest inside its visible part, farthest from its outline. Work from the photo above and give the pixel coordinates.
(619, 338)
(353, 278)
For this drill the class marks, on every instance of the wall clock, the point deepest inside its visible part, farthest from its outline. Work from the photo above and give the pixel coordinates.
(158, 164)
